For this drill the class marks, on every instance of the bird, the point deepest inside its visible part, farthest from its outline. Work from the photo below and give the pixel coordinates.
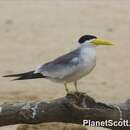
(70, 67)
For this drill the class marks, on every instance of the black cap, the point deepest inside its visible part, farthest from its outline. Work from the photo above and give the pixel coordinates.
(86, 38)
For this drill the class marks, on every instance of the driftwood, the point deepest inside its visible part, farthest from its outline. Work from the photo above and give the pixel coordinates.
(73, 108)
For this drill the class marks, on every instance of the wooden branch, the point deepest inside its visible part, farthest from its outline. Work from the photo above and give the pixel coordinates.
(73, 108)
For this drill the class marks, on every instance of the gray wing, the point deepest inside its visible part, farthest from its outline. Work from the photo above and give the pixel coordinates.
(60, 67)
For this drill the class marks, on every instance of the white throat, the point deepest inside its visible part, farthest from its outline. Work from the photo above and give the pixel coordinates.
(88, 52)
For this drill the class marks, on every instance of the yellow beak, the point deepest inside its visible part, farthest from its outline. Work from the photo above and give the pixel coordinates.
(101, 42)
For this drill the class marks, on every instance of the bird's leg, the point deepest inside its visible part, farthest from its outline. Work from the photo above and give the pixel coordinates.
(75, 84)
(66, 89)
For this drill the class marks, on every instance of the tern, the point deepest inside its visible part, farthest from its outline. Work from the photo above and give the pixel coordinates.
(69, 67)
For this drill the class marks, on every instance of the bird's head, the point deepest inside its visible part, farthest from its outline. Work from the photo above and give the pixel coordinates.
(93, 40)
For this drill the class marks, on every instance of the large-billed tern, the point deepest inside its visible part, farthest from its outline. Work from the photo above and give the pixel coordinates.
(70, 67)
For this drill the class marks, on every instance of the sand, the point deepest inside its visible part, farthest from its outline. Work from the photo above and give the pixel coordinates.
(34, 32)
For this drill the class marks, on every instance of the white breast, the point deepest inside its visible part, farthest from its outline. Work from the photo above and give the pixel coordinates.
(88, 55)
(87, 60)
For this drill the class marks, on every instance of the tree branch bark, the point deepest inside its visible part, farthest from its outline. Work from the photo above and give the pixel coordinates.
(73, 108)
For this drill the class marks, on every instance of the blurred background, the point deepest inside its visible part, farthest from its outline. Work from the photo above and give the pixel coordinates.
(34, 32)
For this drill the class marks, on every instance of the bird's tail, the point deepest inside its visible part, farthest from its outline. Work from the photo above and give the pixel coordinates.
(25, 76)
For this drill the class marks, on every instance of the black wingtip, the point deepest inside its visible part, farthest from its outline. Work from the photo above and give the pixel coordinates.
(7, 76)
(25, 76)
(15, 75)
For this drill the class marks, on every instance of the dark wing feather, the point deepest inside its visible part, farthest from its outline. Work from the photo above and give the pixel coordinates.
(25, 76)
